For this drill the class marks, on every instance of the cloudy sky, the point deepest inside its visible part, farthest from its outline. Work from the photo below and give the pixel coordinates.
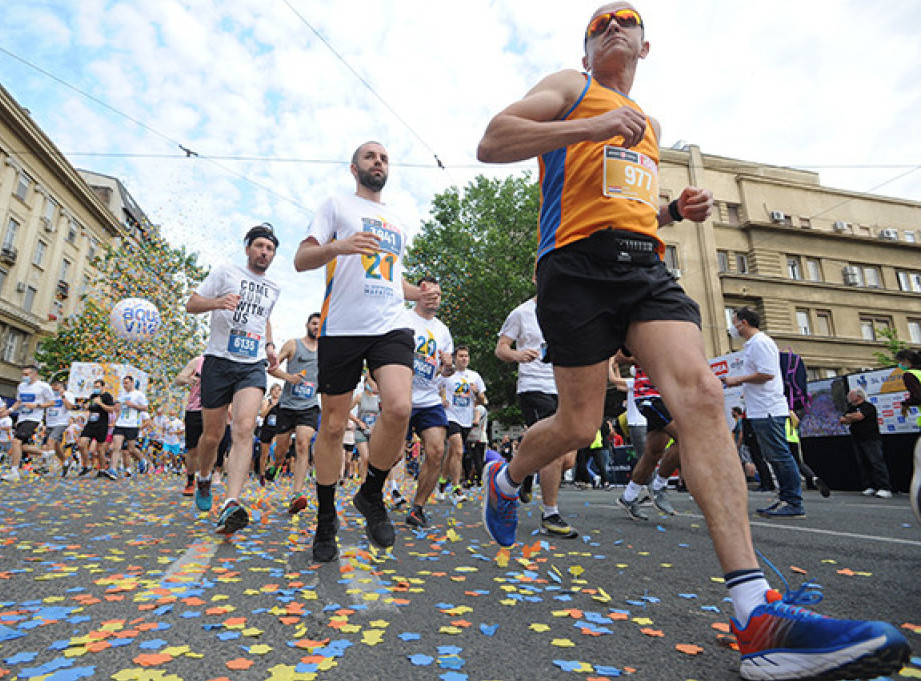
(275, 94)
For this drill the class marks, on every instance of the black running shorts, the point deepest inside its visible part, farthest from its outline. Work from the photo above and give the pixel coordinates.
(590, 291)
(289, 419)
(340, 358)
(221, 378)
(536, 406)
(193, 429)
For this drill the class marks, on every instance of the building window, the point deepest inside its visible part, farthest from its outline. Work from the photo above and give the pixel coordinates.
(829, 373)
(3, 274)
(914, 330)
(802, 322)
(65, 270)
(12, 344)
(813, 270)
(39, 256)
(794, 267)
(9, 239)
(823, 325)
(671, 259)
(94, 249)
(71, 232)
(29, 299)
(733, 214)
(909, 281)
(51, 209)
(741, 263)
(22, 186)
(730, 313)
(872, 325)
(722, 261)
(871, 276)
(864, 230)
(805, 223)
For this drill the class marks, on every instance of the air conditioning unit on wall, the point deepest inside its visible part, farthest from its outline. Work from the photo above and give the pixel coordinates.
(851, 275)
(778, 216)
(840, 226)
(889, 234)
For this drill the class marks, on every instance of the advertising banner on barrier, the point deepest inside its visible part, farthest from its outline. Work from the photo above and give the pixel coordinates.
(82, 375)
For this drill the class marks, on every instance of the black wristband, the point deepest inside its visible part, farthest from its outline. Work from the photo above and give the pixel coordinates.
(673, 211)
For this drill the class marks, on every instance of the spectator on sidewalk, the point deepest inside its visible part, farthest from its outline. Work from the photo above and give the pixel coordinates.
(862, 420)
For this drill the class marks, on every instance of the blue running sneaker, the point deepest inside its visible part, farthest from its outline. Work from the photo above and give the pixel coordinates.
(234, 517)
(500, 512)
(784, 641)
(203, 495)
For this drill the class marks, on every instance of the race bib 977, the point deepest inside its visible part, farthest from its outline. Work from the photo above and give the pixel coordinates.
(631, 175)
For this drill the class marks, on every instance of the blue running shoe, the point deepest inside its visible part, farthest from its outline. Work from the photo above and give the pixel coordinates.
(203, 495)
(500, 512)
(784, 641)
(234, 517)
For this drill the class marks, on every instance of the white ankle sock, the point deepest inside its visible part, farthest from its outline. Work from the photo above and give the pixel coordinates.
(748, 596)
(632, 491)
(504, 483)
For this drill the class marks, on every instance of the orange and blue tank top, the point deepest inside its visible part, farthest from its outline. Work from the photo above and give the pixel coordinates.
(590, 186)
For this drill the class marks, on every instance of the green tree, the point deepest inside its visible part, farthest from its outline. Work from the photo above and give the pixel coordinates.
(893, 345)
(149, 268)
(480, 244)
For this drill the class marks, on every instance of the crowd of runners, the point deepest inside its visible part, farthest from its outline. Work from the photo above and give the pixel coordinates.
(390, 379)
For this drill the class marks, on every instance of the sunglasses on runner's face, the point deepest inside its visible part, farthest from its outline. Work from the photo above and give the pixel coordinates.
(625, 18)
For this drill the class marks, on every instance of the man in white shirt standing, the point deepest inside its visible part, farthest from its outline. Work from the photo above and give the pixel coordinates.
(240, 349)
(433, 347)
(767, 410)
(131, 404)
(32, 398)
(537, 398)
(57, 419)
(361, 242)
(463, 390)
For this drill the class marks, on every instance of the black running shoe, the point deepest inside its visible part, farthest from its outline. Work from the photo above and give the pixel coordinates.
(325, 548)
(822, 487)
(526, 491)
(233, 518)
(378, 526)
(417, 517)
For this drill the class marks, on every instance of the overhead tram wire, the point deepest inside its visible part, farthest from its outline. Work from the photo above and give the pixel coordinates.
(187, 152)
(365, 83)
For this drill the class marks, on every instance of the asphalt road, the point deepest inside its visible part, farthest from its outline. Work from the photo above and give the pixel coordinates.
(125, 580)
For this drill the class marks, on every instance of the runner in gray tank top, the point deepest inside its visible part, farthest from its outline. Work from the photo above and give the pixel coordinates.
(299, 407)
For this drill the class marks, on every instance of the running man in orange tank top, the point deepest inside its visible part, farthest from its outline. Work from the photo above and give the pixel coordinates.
(601, 285)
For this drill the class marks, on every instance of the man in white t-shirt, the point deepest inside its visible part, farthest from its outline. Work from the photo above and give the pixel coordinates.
(240, 349)
(766, 409)
(361, 242)
(433, 348)
(33, 396)
(537, 398)
(6, 435)
(462, 391)
(131, 404)
(173, 428)
(57, 419)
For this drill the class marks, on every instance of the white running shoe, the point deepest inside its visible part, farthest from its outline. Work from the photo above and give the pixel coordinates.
(12, 476)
